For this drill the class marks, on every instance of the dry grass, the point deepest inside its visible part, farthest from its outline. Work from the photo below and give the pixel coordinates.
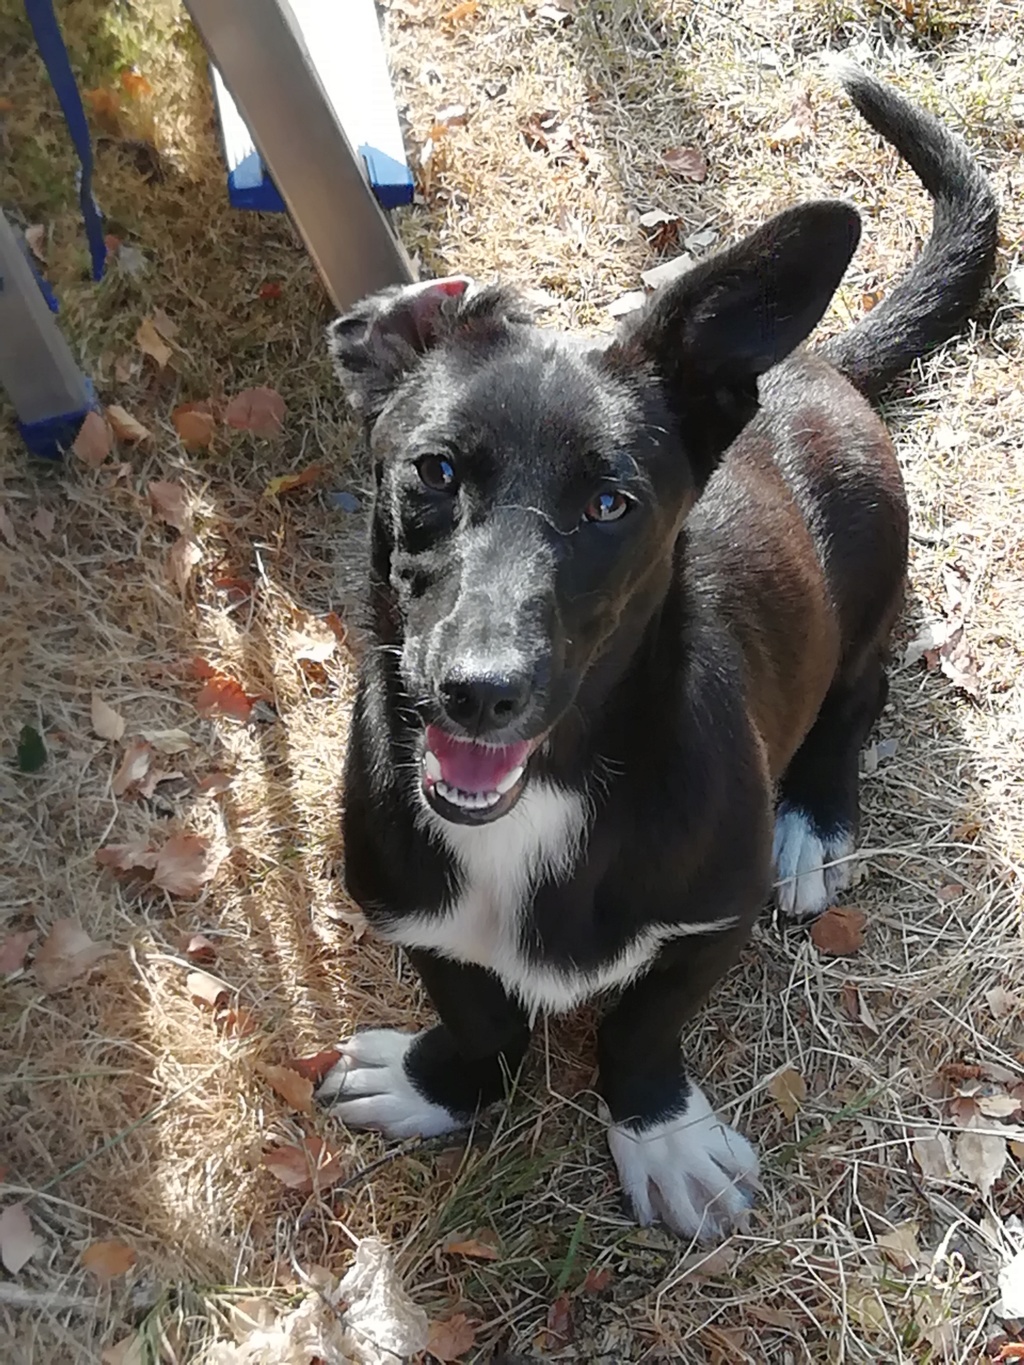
(126, 1114)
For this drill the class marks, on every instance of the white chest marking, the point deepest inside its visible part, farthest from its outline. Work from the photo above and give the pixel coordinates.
(499, 867)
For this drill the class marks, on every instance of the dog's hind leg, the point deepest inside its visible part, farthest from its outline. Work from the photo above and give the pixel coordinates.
(818, 814)
(421, 1084)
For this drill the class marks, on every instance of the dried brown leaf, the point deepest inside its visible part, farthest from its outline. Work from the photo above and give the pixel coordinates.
(901, 1247)
(314, 640)
(43, 523)
(195, 425)
(223, 696)
(839, 932)
(168, 741)
(287, 483)
(13, 950)
(94, 441)
(18, 1242)
(205, 989)
(315, 1067)
(107, 1260)
(314, 1164)
(126, 427)
(259, 410)
(106, 722)
(134, 766)
(36, 238)
(170, 503)
(981, 1157)
(451, 1338)
(1002, 1002)
(687, 163)
(201, 949)
(151, 343)
(294, 1089)
(799, 126)
(185, 864)
(789, 1090)
(597, 1281)
(474, 1248)
(182, 558)
(66, 954)
(133, 857)
(213, 784)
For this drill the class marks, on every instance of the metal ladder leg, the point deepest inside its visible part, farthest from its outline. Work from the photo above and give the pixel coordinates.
(51, 395)
(258, 47)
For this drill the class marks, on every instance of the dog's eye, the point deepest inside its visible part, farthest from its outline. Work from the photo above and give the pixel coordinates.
(437, 472)
(610, 505)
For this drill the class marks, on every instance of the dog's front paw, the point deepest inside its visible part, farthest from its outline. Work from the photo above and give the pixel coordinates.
(812, 867)
(692, 1172)
(370, 1087)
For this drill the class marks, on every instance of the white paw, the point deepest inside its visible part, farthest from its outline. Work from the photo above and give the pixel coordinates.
(693, 1172)
(369, 1088)
(811, 870)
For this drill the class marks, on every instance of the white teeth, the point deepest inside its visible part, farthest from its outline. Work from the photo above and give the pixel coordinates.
(509, 780)
(466, 800)
(433, 765)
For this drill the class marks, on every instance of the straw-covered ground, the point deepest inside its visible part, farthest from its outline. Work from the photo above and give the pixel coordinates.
(138, 1114)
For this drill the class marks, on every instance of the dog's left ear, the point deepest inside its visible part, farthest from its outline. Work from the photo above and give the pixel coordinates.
(713, 331)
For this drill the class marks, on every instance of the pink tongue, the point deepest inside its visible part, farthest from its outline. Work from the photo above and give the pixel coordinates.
(473, 767)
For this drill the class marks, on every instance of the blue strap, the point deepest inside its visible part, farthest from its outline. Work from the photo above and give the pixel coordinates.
(55, 57)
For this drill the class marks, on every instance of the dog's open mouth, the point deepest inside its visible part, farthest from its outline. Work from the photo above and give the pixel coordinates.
(471, 783)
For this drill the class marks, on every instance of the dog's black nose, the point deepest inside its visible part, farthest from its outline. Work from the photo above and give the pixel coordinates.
(488, 702)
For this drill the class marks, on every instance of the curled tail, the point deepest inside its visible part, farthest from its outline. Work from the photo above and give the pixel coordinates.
(938, 293)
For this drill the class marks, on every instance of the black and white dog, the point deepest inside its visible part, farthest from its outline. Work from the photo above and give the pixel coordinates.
(631, 600)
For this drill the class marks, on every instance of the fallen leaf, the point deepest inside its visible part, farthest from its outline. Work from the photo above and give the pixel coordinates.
(134, 84)
(43, 523)
(460, 12)
(134, 766)
(951, 891)
(316, 1067)
(475, 1248)
(94, 441)
(259, 410)
(627, 303)
(31, 752)
(558, 1325)
(662, 274)
(36, 238)
(129, 1350)
(104, 104)
(201, 949)
(213, 784)
(238, 589)
(687, 163)
(65, 954)
(225, 697)
(195, 424)
(900, 1245)
(932, 637)
(237, 1023)
(105, 720)
(316, 641)
(959, 665)
(204, 989)
(1003, 1002)
(451, 1338)
(151, 343)
(451, 116)
(286, 483)
(18, 1242)
(163, 324)
(272, 289)
(337, 625)
(13, 950)
(200, 668)
(1010, 1350)
(125, 427)
(981, 1157)
(107, 1260)
(184, 865)
(998, 1106)
(170, 503)
(789, 1090)
(597, 1281)
(182, 558)
(314, 1164)
(839, 931)
(856, 1007)
(798, 127)
(871, 299)
(294, 1089)
(168, 741)
(135, 856)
